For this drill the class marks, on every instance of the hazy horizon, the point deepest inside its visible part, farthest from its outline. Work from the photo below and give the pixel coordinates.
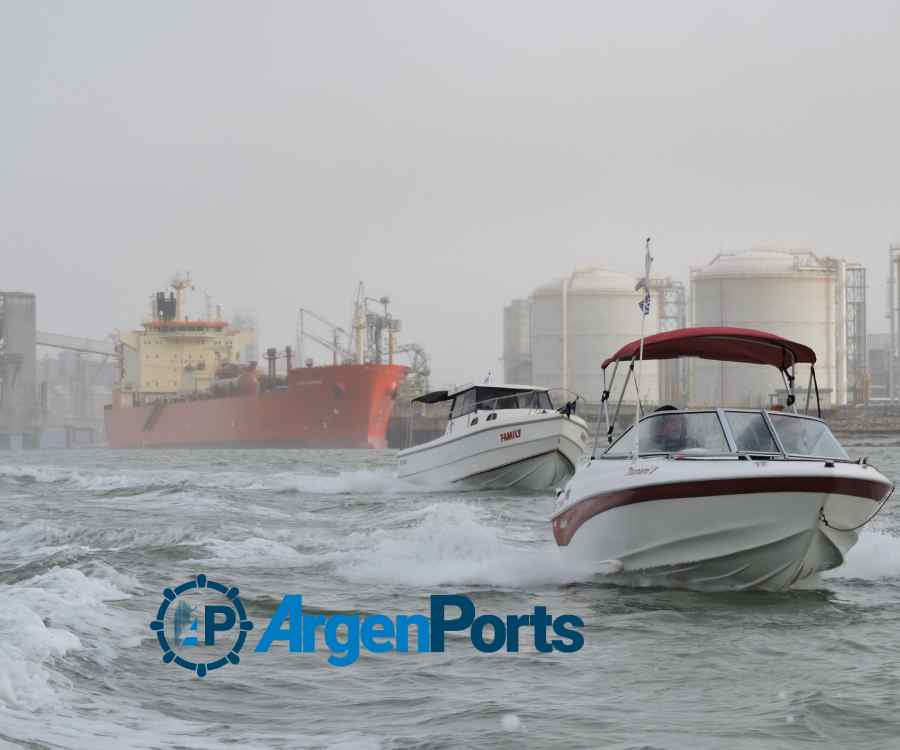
(450, 155)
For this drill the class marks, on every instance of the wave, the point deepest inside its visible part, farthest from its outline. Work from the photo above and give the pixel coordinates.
(41, 539)
(251, 551)
(51, 616)
(876, 556)
(102, 484)
(454, 543)
(363, 481)
(382, 481)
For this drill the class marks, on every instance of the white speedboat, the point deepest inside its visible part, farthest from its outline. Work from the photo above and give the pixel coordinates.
(719, 498)
(499, 436)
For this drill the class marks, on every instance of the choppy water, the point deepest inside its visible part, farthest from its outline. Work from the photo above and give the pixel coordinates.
(89, 539)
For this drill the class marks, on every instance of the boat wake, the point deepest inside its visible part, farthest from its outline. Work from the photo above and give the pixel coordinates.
(364, 481)
(875, 557)
(454, 543)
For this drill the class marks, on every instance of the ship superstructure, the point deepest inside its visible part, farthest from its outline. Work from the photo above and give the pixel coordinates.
(174, 355)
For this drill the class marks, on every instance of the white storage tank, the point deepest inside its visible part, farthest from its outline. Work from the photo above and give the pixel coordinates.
(517, 342)
(794, 294)
(578, 321)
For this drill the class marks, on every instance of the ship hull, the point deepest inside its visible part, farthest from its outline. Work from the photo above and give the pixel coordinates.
(343, 406)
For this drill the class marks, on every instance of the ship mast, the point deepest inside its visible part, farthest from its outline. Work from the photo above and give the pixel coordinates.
(358, 324)
(179, 283)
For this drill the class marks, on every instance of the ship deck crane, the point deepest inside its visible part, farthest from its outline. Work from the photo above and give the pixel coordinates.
(334, 346)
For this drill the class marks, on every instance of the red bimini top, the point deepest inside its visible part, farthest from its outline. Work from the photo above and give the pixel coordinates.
(722, 344)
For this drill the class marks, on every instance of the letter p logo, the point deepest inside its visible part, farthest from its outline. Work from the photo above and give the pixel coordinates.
(211, 624)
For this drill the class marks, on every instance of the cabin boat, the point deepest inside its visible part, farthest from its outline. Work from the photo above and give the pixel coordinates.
(499, 437)
(718, 498)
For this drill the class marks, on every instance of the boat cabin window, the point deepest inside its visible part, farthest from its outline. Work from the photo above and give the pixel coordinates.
(463, 403)
(501, 398)
(801, 436)
(491, 399)
(674, 432)
(751, 433)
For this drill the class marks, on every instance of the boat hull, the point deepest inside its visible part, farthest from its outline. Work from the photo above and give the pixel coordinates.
(746, 525)
(344, 406)
(536, 452)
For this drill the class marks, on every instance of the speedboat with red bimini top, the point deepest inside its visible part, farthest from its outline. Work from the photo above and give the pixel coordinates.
(499, 437)
(718, 498)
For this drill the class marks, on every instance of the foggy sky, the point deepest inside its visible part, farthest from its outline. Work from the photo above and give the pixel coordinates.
(453, 155)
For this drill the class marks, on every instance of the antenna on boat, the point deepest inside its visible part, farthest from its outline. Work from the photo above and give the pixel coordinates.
(644, 304)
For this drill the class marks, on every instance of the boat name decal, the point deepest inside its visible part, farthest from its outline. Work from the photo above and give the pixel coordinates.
(640, 470)
(511, 435)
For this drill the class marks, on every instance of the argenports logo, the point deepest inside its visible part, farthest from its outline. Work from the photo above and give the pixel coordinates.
(194, 633)
(189, 619)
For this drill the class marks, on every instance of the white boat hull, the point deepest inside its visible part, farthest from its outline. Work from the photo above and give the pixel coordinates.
(746, 524)
(518, 450)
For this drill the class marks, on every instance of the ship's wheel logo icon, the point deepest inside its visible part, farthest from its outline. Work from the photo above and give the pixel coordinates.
(201, 625)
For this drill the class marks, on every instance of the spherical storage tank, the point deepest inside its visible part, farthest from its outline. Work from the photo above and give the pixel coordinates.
(578, 321)
(794, 294)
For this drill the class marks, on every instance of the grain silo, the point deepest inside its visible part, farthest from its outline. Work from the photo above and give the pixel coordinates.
(578, 321)
(18, 371)
(795, 294)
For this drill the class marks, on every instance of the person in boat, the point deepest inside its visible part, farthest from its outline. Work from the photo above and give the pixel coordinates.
(670, 435)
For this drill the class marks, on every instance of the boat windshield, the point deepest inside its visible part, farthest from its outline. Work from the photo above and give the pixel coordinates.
(750, 432)
(490, 398)
(675, 432)
(803, 436)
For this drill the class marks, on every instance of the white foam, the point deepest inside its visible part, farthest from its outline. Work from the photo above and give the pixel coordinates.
(26, 643)
(32, 541)
(36, 473)
(454, 543)
(254, 550)
(40, 539)
(511, 722)
(52, 615)
(875, 556)
(97, 481)
(366, 481)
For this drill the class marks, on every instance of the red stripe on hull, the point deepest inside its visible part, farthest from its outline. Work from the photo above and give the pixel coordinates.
(568, 522)
(345, 406)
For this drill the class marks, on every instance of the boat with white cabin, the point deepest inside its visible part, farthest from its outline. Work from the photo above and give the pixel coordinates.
(499, 437)
(718, 498)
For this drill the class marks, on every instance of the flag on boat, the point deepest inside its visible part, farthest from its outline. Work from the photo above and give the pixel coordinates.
(644, 283)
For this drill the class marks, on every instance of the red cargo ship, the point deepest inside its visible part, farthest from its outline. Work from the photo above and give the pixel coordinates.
(184, 384)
